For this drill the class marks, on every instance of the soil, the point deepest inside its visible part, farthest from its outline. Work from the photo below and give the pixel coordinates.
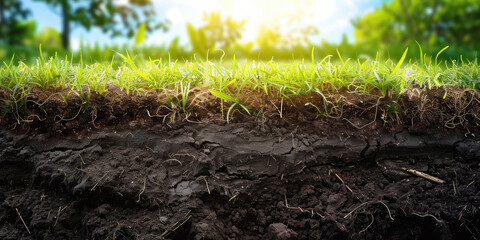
(298, 173)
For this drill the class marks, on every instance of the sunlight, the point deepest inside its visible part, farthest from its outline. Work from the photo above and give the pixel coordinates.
(282, 14)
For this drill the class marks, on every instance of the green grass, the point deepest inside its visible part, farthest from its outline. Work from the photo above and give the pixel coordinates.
(227, 78)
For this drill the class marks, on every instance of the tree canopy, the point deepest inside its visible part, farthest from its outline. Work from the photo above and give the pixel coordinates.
(430, 22)
(13, 28)
(106, 14)
(217, 33)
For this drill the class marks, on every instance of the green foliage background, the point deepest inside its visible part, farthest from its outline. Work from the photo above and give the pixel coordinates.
(389, 29)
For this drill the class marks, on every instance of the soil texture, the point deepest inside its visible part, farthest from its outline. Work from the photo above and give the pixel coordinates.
(243, 180)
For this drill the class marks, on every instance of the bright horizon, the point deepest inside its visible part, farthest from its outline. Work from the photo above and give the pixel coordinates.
(331, 18)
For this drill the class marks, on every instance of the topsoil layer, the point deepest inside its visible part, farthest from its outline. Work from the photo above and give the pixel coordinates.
(128, 168)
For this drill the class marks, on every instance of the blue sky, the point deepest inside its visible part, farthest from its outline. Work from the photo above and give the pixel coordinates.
(331, 17)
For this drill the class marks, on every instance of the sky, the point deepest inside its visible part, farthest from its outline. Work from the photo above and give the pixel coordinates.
(331, 17)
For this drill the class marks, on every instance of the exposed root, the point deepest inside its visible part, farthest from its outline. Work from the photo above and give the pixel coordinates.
(309, 210)
(365, 229)
(67, 119)
(427, 215)
(143, 189)
(365, 203)
(177, 225)
(173, 160)
(370, 123)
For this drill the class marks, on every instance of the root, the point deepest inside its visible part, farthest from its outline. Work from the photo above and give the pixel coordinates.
(461, 109)
(370, 123)
(373, 219)
(427, 215)
(94, 117)
(68, 119)
(173, 160)
(143, 189)
(365, 203)
(388, 209)
(309, 210)
(177, 225)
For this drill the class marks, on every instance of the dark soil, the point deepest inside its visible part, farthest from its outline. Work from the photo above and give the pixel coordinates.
(143, 167)
(239, 181)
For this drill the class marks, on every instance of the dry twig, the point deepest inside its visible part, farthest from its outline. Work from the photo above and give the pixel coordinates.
(423, 175)
(28, 230)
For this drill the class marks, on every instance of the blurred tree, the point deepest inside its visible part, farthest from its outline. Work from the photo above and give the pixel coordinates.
(432, 22)
(268, 37)
(49, 38)
(106, 14)
(215, 34)
(12, 27)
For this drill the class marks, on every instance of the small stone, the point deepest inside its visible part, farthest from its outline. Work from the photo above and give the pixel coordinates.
(280, 231)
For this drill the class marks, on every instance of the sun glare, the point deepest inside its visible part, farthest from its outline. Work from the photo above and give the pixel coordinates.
(285, 15)
(121, 2)
(281, 14)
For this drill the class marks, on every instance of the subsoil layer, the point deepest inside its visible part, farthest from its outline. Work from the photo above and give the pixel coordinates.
(250, 180)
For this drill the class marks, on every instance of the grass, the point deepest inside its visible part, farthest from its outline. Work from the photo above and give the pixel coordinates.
(226, 79)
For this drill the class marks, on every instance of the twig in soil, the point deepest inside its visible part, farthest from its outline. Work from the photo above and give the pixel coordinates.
(58, 214)
(293, 142)
(455, 183)
(177, 225)
(339, 178)
(119, 176)
(464, 224)
(28, 230)
(206, 183)
(373, 219)
(233, 197)
(82, 162)
(470, 184)
(461, 212)
(424, 175)
(94, 186)
(355, 209)
(143, 189)
(427, 215)
(149, 148)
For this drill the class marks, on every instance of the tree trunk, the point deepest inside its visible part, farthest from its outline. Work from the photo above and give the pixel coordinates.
(3, 20)
(66, 25)
(408, 23)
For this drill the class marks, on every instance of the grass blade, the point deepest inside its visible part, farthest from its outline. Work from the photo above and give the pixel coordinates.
(399, 63)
